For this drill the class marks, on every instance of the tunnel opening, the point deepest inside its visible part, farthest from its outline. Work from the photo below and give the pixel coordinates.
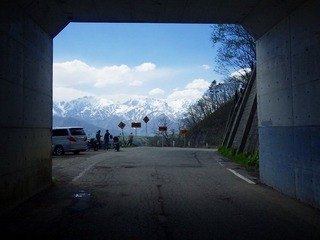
(117, 68)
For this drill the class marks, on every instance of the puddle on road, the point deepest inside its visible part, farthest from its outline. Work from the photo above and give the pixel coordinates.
(81, 201)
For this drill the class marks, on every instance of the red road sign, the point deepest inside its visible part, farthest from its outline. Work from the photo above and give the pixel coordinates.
(163, 128)
(184, 131)
(136, 124)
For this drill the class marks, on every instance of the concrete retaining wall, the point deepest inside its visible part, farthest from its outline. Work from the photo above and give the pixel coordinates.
(25, 112)
(242, 131)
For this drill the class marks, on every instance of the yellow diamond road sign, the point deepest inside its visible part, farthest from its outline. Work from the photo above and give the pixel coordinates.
(146, 119)
(121, 125)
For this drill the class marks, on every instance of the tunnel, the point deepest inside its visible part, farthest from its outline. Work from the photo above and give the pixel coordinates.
(288, 82)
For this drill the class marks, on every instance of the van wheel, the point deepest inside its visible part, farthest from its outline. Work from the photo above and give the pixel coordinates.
(59, 150)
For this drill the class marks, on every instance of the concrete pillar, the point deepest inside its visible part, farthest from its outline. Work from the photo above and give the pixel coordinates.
(288, 87)
(25, 107)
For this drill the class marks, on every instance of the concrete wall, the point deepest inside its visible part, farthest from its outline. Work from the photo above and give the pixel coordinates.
(252, 142)
(245, 130)
(288, 80)
(25, 108)
(242, 128)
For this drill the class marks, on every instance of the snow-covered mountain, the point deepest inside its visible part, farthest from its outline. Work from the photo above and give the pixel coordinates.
(96, 113)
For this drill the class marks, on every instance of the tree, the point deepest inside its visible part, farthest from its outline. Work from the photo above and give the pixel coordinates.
(236, 50)
(165, 122)
(217, 95)
(220, 93)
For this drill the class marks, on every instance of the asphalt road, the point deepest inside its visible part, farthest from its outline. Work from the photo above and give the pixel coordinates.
(158, 193)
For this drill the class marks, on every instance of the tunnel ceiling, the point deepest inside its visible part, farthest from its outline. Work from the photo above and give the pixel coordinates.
(256, 15)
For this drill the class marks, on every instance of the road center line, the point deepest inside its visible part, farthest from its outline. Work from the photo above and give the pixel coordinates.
(242, 177)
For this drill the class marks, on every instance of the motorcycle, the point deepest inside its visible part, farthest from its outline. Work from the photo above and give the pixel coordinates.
(93, 144)
(116, 144)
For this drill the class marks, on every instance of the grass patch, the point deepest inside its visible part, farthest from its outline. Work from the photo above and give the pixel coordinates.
(248, 160)
(54, 181)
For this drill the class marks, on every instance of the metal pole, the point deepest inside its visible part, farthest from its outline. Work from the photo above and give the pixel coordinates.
(147, 133)
(162, 141)
(122, 136)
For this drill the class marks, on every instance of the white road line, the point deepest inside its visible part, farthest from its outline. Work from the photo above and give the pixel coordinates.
(242, 177)
(83, 172)
(220, 164)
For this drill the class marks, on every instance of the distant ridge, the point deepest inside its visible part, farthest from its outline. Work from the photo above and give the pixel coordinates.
(97, 113)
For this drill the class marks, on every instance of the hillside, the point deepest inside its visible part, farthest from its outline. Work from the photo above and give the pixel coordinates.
(212, 129)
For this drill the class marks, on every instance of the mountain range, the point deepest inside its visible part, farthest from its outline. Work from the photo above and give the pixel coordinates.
(93, 113)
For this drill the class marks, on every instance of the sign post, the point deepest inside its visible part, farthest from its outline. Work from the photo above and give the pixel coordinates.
(146, 120)
(136, 125)
(184, 132)
(122, 125)
(162, 129)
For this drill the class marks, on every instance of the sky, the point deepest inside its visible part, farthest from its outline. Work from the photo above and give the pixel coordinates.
(119, 61)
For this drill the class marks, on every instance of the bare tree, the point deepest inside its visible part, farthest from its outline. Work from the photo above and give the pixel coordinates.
(236, 53)
(216, 95)
(220, 93)
(236, 50)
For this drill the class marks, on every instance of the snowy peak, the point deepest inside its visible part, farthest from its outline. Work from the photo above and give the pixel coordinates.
(106, 113)
(102, 108)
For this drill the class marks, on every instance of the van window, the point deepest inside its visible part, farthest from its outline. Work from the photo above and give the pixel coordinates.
(77, 131)
(59, 132)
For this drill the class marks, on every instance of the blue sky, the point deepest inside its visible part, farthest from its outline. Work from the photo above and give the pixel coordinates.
(119, 61)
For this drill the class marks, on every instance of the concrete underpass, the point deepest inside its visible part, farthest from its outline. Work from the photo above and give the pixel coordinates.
(288, 84)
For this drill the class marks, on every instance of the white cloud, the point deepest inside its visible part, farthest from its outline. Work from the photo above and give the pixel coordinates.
(192, 91)
(76, 72)
(71, 73)
(67, 94)
(145, 67)
(111, 75)
(135, 83)
(191, 94)
(240, 73)
(198, 84)
(156, 91)
(205, 67)
(74, 79)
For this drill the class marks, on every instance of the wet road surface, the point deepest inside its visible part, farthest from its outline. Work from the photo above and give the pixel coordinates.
(158, 193)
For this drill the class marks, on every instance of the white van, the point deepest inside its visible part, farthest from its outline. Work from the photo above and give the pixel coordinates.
(68, 139)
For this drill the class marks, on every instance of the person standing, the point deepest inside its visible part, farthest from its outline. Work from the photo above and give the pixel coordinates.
(130, 140)
(98, 137)
(106, 138)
